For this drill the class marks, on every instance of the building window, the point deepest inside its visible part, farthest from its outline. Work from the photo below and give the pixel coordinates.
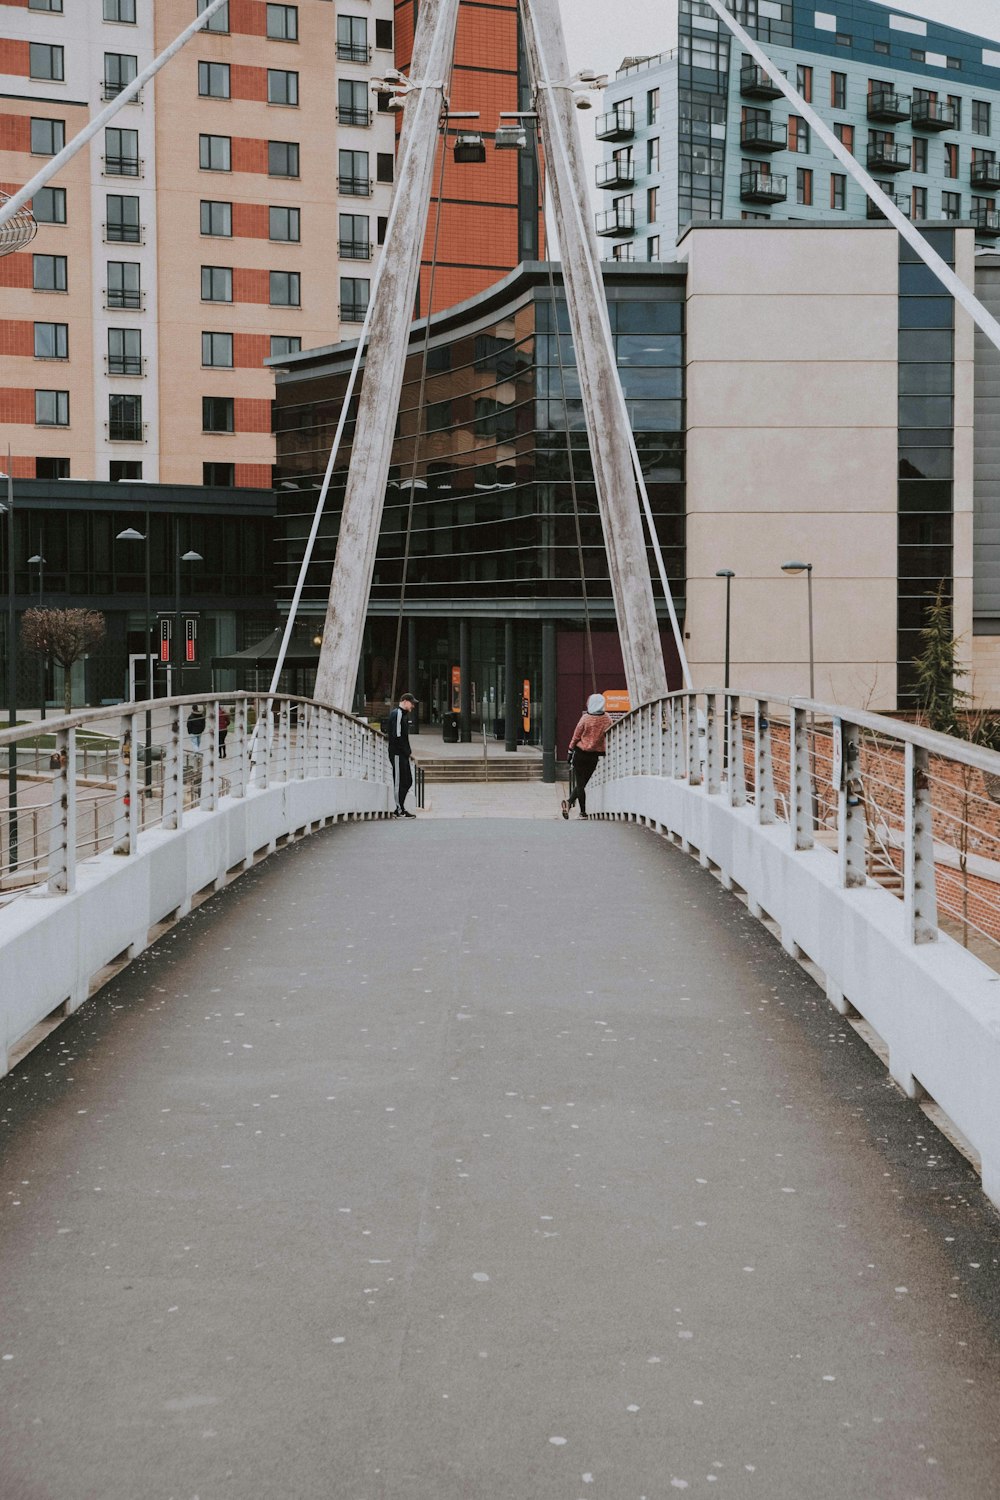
(48, 273)
(950, 159)
(125, 419)
(919, 203)
(124, 351)
(283, 23)
(49, 206)
(217, 414)
(52, 341)
(845, 135)
(216, 218)
(653, 154)
(353, 180)
(842, 39)
(804, 82)
(123, 284)
(919, 159)
(52, 408)
(123, 225)
(622, 252)
(223, 476)
(381, 228)
(283, 158)
(216, 283)
(121, 470)
(383, 36)
(882, 47)
(653, 107)
(838, 90)
(215, 153)
(385, 166)
(652, 205)
(51, 5)
(803, 185)
(352, 39)
(798, 134)
(956, 105)
(122, 12)
(838, 191)
(284, 224)
(219, 21)
(51, 468)
(47, 136)
(119, 71)
(951, 205)
(217, 350)
(121, 152)
(213, 80)
(981, 116)
(284, 343)
(282, 87)
(352, 102)
(653, 247)
(354, 293)
(285, 289)
(354, 239)
(45, 61)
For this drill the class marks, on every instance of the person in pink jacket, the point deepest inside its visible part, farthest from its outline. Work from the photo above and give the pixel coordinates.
(586, 748)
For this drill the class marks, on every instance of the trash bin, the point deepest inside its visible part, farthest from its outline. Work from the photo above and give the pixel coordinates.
(449, 729)
(499, 729)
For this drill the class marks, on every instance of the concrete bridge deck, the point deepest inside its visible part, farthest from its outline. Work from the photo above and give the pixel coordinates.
(506, 1159)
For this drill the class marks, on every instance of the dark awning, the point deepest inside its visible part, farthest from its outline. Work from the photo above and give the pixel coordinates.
(263, 656)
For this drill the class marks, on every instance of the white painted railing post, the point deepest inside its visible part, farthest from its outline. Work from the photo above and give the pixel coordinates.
(801, 780)
(173, 774)
(737, 770)
(694, 746)
(126, 788)
(919, 878)
(677, 766)
(241, 750)
(284, 739)
(851, 818)
(265, 730)
(62, 832)
(712, 759)
(763, 767)
(208, 798)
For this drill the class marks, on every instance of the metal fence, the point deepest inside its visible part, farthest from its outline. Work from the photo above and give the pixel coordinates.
(100, 778)
(915, 812)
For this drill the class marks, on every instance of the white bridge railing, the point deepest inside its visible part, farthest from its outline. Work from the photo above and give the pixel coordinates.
(117, 819)
(870, 844)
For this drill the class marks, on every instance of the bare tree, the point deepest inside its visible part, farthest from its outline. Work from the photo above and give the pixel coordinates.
(63, 636)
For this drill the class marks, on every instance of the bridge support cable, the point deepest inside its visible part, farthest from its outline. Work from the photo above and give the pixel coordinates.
(603, 396)
(390, 311)
(952, 283)
(612, 447)
(17, 200)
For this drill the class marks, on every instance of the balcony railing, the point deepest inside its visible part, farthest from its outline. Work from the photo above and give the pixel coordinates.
(763, 135)
(888, 157)
(126, 364)
(122, 166)
(355, 187)
(348, 114)
(126, 297)
(986, 174)
(355, 249)
(901, 200)
(616, 221)
(126, 430)
(756, 84)
(987, 222)
(124, 234)
(886, 104)
(763, 187)
(353, 312)
(356, 52)
(616, 125)
(615, 174)
(111, 90)
(933, 114)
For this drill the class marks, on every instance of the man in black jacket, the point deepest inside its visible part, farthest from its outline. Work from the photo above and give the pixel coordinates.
(400, 754)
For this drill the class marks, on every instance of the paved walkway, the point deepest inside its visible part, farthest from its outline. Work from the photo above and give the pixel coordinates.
(455, 1160)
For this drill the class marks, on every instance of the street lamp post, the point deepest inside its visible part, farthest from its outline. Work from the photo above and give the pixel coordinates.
(793, 569)
(180, 557)
(8, 509)
(728, 575)
(38, 561)
(131, 535)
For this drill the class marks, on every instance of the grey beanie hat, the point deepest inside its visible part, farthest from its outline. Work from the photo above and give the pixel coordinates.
(595, 703)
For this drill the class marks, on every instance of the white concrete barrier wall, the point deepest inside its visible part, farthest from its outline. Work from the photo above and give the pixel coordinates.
(935, 1005)
(52, 947)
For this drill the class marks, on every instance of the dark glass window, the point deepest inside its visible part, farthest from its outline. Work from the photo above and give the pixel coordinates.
(52, 341)
(47, 136)
(45, 61)
(215, 153)
(283, 23)
(220, 476)
(216, 218)
(283, 158)
(49, 273)
(217, 414)
(49, 205)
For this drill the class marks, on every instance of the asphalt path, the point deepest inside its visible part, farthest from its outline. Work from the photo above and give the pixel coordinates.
(468, 1160)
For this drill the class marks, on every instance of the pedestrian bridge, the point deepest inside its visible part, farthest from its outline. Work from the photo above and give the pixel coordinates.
(513, 1158)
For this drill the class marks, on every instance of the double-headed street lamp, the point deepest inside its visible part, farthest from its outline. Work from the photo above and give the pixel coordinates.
(8, 510)
(728, 575)
(793, 569)
(38, 561)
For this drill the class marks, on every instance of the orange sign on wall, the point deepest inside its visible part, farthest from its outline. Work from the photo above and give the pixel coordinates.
(456, 690)
(526, 705)
(616, 701)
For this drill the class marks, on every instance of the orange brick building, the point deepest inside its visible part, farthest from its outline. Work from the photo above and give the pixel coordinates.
(490, 218)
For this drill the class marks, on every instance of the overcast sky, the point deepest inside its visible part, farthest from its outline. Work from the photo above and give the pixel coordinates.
(600, 33)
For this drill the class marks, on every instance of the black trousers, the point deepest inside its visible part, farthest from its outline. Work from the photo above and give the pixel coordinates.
(585, 763)
(402, 777)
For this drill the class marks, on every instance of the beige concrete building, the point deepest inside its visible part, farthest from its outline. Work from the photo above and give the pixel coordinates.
(232, 213)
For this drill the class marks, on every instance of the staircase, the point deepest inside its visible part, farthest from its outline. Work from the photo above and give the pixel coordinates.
(472, 769)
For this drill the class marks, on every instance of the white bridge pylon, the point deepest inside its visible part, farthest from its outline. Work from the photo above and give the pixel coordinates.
(615, 461)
